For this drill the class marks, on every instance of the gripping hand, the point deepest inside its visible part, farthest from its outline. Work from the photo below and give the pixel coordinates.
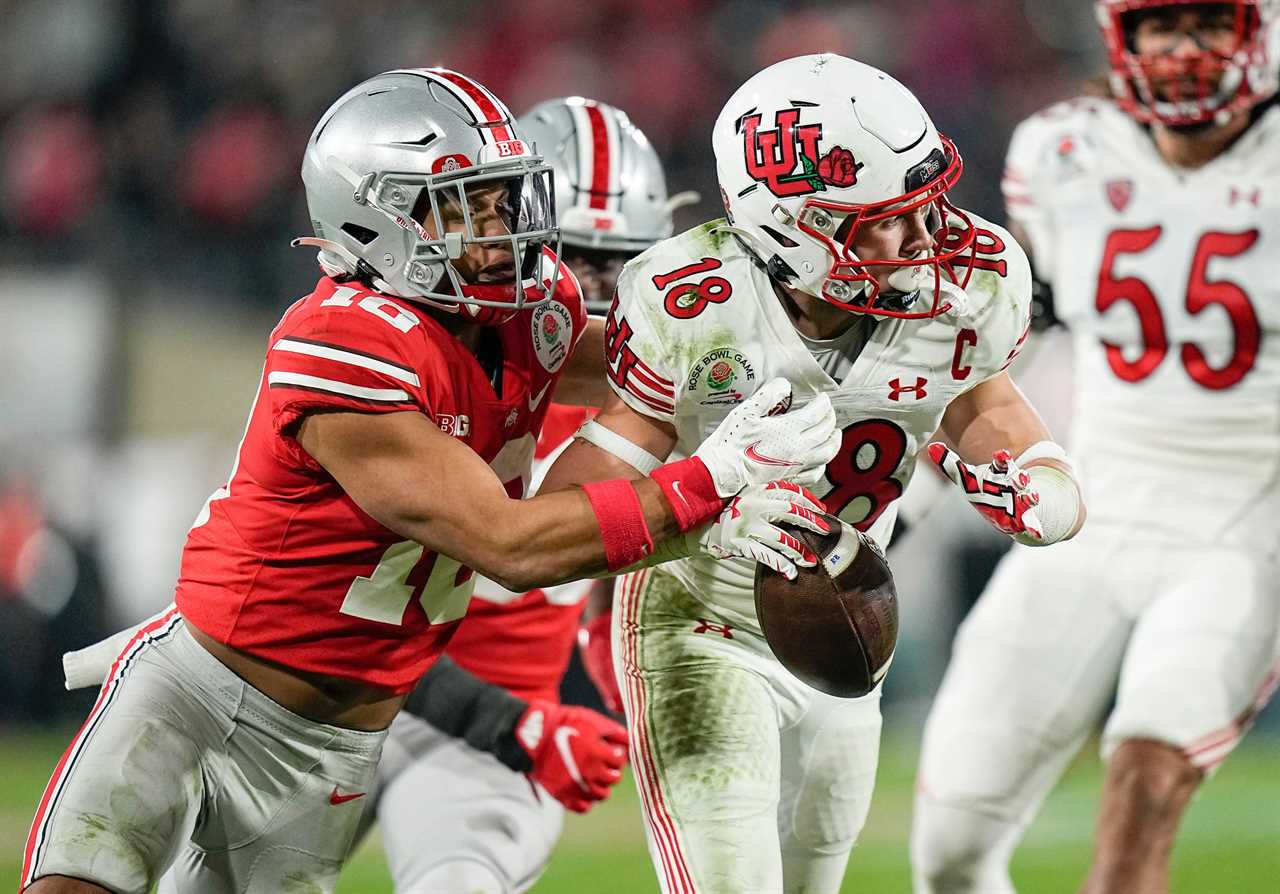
(763, 439)
(577, 753)
(748, 527)
(1001, 491)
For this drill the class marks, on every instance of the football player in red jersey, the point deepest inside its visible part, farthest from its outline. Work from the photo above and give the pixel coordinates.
(384, 459)
(463, 729)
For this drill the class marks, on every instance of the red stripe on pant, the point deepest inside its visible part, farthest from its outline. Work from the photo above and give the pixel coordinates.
(599, 156)
(1211, 750)
(666, 837)
(67, 761)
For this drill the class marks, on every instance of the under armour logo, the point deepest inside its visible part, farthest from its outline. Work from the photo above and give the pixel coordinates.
(1251, 196)
(705, 626)
(897, 389)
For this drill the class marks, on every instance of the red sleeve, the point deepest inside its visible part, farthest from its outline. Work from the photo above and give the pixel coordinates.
(364, 356)
(571, 294)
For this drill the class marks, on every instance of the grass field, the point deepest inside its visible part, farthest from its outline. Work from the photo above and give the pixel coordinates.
(1230, 842)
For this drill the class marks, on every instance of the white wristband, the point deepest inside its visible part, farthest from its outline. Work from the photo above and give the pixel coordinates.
(1042, 450)
(610, 441)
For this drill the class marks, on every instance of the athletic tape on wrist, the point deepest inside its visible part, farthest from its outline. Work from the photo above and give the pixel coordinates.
(610, 441)
(1059, 505)
(1043, 450)
(690, 490)
(621, 519)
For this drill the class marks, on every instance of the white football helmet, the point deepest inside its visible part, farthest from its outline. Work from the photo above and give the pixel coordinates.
(412, 147)
(1151, 88)
(610, 190)
(811, 148)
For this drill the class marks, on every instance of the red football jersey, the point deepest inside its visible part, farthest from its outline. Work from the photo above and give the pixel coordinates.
(281, 563)
(523, 641)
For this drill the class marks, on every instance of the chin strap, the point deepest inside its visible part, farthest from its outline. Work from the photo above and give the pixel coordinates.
(335, 260)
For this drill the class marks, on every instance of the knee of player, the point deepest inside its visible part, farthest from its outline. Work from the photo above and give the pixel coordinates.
(954, 849)
(1159, 778)
(462, 876)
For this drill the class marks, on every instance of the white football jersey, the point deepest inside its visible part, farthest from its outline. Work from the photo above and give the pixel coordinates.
(696, 327)
(1169, 281)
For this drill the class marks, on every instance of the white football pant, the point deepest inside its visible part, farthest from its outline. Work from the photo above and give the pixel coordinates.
(750, 781)
(1183, 634)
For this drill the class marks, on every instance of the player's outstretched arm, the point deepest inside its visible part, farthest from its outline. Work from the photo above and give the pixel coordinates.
(1004, 460)
(428, 487)
(412, 478)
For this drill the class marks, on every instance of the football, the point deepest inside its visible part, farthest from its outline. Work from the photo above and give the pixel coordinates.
(835, 626)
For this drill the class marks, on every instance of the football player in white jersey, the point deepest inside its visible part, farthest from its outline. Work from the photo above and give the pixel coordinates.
(843, 267)
(1155, 217)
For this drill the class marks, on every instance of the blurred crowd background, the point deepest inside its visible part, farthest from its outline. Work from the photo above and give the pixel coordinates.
(149, 157)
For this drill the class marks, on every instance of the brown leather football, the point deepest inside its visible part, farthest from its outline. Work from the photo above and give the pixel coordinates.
(836, 625)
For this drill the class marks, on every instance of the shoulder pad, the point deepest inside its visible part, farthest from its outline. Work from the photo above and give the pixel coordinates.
(999, 296)
(347, 348)
(668, 300)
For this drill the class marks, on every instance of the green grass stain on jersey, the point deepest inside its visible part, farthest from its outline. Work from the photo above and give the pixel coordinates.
(712, 234)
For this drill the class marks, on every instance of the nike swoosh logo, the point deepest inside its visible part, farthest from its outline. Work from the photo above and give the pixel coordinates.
(563, 735)
(336, 798)
(758, 457)
(675, 486)
(535, 399)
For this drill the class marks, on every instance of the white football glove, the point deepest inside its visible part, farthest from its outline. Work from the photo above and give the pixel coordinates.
(747, 527)
(764, 440)
(1001, 491)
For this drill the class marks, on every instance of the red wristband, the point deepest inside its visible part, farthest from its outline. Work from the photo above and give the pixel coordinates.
(688, 487)
(621, 519)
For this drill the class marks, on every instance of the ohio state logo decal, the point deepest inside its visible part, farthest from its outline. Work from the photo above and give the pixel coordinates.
(552, 334)
(787, 160)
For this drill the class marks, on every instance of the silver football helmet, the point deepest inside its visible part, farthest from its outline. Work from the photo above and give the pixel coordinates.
(394, 174)
(610, 190)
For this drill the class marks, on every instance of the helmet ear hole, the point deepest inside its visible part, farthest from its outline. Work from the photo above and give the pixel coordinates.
(777, 237)
(363, 235)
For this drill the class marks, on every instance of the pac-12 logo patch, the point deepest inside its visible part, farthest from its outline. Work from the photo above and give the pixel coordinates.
(552, 334)
(1119, 192)
(717, 377)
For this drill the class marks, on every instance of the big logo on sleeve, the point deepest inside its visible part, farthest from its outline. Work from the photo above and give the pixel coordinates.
(786, 160)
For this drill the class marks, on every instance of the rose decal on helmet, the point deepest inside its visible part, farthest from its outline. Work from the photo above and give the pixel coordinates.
(838, 167)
